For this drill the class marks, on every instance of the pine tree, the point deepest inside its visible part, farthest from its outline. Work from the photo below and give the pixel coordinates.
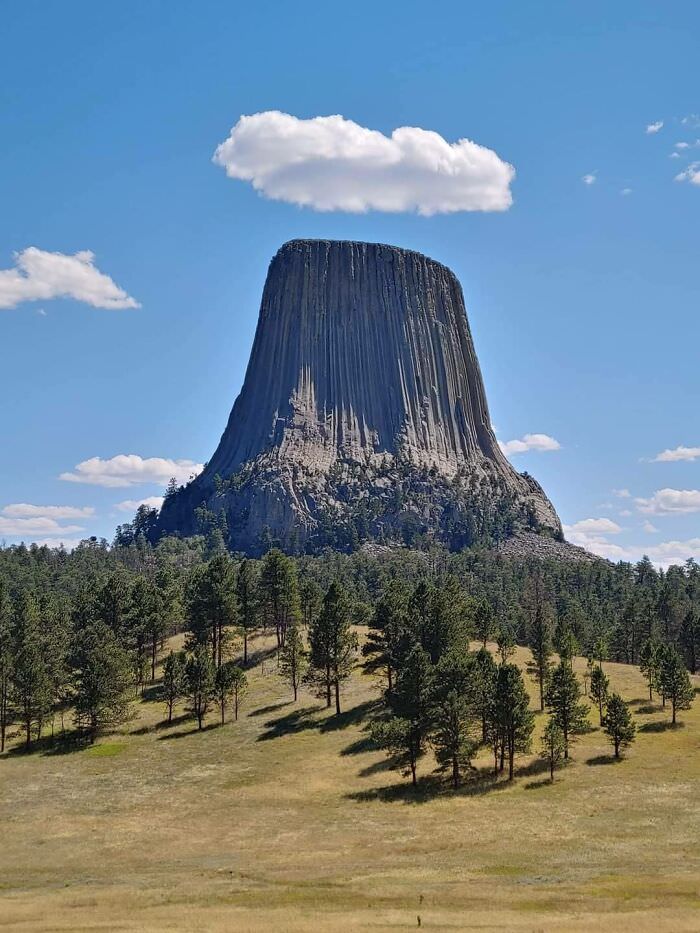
(649, 658)
(598, 689)
(211, 605)
(174, 681)
(279, 592)
(388, 627)
(7, 660)
(199, 673)
(484, 621)
(332, 645)
(618, 723)
(227, 685)
(511, 712)
(689, 638)
(405, 733)
(505, 640)
(483, 686)
(102, 680)
(451, 712)
(552, 749)
(293, 659)
(31, 681)
(246, 590)
(675, 682)
(539, 637)
(562, 699)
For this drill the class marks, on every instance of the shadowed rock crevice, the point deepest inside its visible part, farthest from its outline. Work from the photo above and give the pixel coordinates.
(362, 416)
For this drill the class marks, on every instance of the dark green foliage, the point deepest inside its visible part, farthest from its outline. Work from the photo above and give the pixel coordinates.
(200, 672)
(387, 632)
(7, 663)
(675, 682)
(229, 684)
(293, 659)
(483, 686)
(404, 734)
(689, 638)
(247, 593)
(511, 717)
(484, 621)
(174, 680)
(279, 593)
(102, 680)
(31, 678)
(552, 748)
(618, 724)
(211, 606)
(649, 663)
(598, 689)
(451, 712)
(539, 635)
(563, 701)
(332, 646)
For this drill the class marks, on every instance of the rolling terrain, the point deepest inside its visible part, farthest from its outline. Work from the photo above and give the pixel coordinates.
(289, 820)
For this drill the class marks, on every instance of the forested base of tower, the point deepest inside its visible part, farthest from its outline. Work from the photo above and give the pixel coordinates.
(389, 502)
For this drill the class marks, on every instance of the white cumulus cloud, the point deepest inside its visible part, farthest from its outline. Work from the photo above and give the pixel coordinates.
(131, 470)
(649, 528)
(654, 127)
(540, 442)
(670, 502)
(678, 453)
(28, 528)
(333, 164)
(592, 534)
(131, 505)
(39, 275)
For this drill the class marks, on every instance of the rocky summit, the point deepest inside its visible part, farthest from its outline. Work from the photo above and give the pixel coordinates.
(362, 417)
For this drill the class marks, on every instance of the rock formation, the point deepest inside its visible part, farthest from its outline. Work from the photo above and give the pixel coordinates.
(362, 416)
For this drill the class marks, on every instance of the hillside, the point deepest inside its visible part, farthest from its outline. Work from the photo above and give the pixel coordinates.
(289, 820)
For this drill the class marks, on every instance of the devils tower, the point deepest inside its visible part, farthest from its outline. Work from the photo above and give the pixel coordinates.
(362, 416)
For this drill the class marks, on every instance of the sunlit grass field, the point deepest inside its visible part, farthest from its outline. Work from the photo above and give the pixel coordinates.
(289, 820)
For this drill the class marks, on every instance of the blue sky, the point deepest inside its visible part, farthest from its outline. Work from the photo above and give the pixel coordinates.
(583, 299)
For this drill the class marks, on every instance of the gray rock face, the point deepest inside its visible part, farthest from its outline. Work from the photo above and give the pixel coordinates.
(362, 413)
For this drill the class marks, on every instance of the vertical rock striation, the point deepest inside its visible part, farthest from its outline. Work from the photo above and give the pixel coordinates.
(362, 414)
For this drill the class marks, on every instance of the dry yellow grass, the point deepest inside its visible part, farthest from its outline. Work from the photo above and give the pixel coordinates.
(287, 821)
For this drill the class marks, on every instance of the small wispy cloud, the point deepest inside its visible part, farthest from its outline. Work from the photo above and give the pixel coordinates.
(676, 454)
(626, 191)
(622, 493)
(690, 174)
(131, 505)
(649, 528)
(654, 127)
(589, 179)
(538, 442)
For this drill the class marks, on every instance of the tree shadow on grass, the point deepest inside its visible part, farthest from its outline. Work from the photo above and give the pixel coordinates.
(535, 767)
(662, 726)
(350, 717)
(359, 747)
(603, 760)
(640, 701)
(299, 720)
(535, 785)
(152, 693)
(49, 745)
(647, 709)
(474, 784)
(183, 733)
(271, 708)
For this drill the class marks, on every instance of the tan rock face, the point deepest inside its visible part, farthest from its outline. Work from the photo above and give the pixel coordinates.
(362, 358)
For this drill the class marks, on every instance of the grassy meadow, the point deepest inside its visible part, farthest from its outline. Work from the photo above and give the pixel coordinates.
(289, 820)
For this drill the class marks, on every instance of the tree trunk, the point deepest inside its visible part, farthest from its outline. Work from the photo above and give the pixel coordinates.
(154, 652)
(294, 687)
(389, 677)
(565, 733)
(673, 711)
(651, 696)
(455, 772)
(170, 711)
(511, 757)
(223, 712)
(600, 709)
(617, 748)
(235, 706)
(551, 770)
(414, 779)
(541, 679)
(337, 698)
(27, 733)
(245, 647)
(503, 757)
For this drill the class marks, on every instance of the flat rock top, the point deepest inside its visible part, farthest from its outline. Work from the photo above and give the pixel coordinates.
(363, 246)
